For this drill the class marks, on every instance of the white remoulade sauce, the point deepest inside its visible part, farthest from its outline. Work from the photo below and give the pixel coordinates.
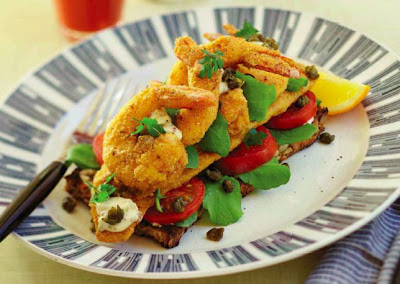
(131, 213)
(165, 120)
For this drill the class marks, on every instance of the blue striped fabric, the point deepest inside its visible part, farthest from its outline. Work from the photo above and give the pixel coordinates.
(370, 255)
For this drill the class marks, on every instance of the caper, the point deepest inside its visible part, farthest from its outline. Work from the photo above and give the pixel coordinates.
(228, 74)
(312, 72)
(214, 174)
(69, 204)
(270, 43)
(179, 205)
(235, 83)
(302, 101)
(256, 37)
(228, 186)
(326, 138)
(114, 215)
(215, 234)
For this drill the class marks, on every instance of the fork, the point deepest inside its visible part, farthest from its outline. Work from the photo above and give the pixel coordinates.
(106, 102)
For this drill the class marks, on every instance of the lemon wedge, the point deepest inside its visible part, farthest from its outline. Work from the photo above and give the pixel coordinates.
(337, 94)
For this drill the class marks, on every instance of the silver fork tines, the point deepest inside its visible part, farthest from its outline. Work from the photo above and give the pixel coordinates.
(104, 105)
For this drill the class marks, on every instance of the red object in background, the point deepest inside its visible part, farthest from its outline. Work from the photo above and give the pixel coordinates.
(85, 16)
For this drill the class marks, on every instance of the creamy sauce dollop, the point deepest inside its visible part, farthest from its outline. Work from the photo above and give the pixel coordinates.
(165, 120)
(131, 213)
(223, 87)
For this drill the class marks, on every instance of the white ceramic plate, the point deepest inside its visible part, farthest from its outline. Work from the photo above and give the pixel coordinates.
(333, 190)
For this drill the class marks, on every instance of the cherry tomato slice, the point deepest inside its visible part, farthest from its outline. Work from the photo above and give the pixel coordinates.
(193, 192)
(243, 160)
(98, 147)
(294, 116)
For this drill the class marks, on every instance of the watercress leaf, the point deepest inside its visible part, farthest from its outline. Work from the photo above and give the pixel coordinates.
(259, 96)
(188, 221)
(247, 31)
(223, 208)
(294, 135)
(158, 197)
(269, 175)
(254, 137)
(193, 157)
(295, 84)
(217, 138)
(82, 156)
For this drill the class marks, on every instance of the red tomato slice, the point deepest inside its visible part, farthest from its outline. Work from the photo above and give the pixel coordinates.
(243, 160)
(294, 116)
(98, 147)
(193, 190)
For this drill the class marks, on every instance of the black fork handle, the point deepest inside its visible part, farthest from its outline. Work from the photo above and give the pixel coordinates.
(30, 197)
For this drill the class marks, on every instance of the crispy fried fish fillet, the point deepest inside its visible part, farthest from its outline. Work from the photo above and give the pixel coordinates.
(178, 74)
(144, 162)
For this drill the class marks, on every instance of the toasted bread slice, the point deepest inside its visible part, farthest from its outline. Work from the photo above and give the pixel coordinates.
(169, 235)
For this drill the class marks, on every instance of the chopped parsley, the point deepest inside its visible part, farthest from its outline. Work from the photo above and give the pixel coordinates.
(318, 102)
(254, 137)
(247, 31)
(158, 197)
(103, 191)
(211, 63)
(152, 126)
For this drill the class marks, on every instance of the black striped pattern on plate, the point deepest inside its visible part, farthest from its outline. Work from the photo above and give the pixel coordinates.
(33, 109)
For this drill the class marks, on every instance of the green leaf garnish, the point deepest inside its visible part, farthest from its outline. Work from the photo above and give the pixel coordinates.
(294, 135)
(247, 31)
(172, 111)
(259, 96)
(193, 157)
(254, 137)
(158, 197)
(295, 84)
(188, 221)
(152, 127)
(223, 208)
(217, 138)
(103, 191)
(82, 156)
(211, 63)
(318, 102)
(270, 175)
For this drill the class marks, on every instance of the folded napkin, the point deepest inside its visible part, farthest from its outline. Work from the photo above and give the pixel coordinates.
(370, 255)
